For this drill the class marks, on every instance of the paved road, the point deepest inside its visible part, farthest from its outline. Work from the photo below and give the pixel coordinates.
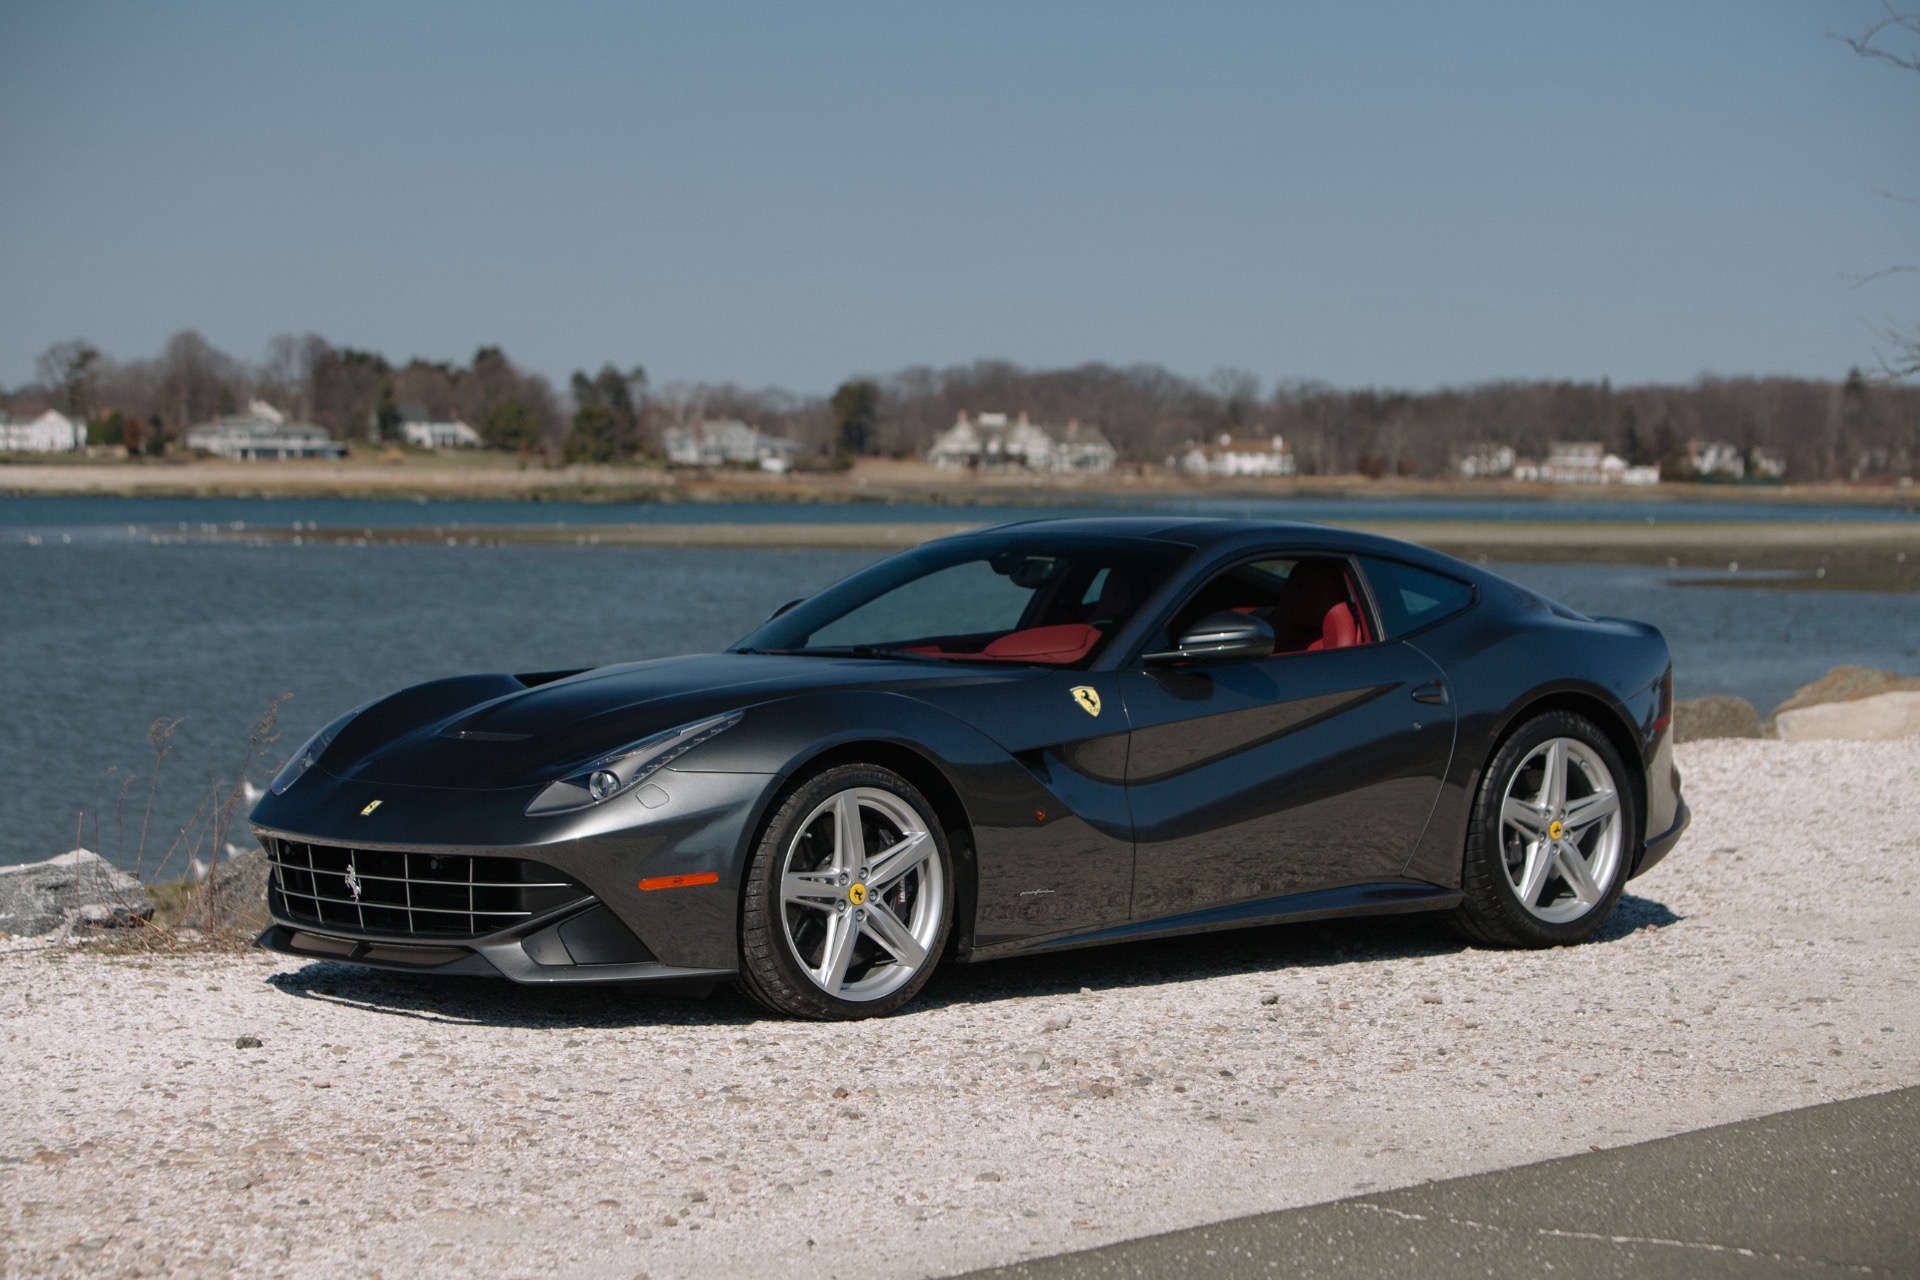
(1831, 1190)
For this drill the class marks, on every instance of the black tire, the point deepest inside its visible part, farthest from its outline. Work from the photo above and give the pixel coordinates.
(1498, 852)
(784, 945)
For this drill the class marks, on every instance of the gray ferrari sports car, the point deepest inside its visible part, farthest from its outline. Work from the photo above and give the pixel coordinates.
(1020, 739)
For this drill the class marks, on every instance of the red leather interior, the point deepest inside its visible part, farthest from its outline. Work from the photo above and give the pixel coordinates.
(1338, 630)
(1066, 642)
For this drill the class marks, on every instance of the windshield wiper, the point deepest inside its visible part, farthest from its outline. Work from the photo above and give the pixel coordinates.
(864, 651)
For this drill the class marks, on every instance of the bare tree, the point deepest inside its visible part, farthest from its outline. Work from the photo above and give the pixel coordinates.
(196, 381)
(67, 370)
(1894, 40)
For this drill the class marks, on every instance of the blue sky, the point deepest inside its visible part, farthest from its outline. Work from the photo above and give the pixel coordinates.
(787, 194)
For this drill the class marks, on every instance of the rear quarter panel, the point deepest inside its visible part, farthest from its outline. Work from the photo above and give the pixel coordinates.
(1510, 656)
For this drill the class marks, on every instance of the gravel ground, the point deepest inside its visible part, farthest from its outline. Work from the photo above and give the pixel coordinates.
(398, 1127)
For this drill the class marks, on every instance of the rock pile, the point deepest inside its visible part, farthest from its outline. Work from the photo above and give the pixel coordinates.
(1862, 704)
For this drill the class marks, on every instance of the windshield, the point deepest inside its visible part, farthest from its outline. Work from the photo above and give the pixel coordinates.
(1015, 597)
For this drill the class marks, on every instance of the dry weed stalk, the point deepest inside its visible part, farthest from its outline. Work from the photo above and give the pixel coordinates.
(185, 903)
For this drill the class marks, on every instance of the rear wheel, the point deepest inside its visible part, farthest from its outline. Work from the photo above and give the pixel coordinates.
(849, 897)
(1552, 836)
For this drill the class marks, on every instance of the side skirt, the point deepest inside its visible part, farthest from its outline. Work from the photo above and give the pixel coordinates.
(1376, 898)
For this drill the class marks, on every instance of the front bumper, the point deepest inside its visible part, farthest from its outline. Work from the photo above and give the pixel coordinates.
(580, 943)
(697, 833)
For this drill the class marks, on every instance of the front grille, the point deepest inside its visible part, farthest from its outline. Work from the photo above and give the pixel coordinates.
(411, 894)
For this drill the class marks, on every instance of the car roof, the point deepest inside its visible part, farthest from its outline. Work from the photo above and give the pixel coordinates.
(1219, 534)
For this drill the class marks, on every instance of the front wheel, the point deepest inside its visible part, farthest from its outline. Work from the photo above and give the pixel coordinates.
(1551, 838)
(849, 897)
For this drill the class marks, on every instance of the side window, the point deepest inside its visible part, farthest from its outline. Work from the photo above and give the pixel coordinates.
(1411, 598)
(1310, 602)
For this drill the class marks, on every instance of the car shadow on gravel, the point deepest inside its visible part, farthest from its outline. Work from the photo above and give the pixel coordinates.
(1322, 944)
(1325, 944)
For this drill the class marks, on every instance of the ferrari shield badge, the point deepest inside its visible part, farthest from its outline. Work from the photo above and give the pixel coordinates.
(1089, 699)
(368, 811)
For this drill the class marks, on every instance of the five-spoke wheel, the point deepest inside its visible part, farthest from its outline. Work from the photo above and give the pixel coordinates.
(1551, 836)
(1560, 835)
(849, 897)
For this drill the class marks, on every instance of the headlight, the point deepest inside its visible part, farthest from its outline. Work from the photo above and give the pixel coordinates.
(619, 772)
(303, 759)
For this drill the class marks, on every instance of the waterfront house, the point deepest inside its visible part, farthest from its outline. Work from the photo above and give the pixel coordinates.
(425, 430)
(1584, 462)
(51, 432)
(992, 442)
(1229, 457)
(263, 433)
(717, 443)
(1716, 460)
(1484, 461)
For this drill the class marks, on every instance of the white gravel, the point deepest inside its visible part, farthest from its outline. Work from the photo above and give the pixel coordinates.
(403, 1127)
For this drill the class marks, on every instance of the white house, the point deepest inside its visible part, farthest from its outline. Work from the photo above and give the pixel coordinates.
(1575, 462)
(1716, 458)
(729, 440)
(1585, 462)
(51, 432)
(1482, 461)
(991, 442)
(421, 429)
(263, 433)
(1231, 457)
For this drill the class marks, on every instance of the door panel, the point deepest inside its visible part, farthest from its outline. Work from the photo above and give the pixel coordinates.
(1250, 780)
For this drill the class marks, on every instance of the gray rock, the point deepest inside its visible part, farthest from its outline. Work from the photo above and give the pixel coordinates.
(1879, 718)
(1845, 684)
(1718, 716)
(79, 888)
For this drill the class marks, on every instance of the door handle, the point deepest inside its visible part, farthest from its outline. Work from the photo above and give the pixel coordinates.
(1432, 691)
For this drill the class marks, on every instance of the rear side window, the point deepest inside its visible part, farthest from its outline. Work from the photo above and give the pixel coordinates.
(1411, 598)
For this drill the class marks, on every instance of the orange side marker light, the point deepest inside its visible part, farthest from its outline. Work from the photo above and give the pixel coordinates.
(680, 882)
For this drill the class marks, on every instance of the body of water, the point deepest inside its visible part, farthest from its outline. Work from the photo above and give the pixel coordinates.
(100, 516)
(102, 634)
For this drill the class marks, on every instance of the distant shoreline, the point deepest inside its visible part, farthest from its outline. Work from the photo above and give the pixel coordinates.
(494, 477)
(1866, 555)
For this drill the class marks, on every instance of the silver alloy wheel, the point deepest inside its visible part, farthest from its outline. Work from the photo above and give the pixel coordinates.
(861, 894)
(1560, 833)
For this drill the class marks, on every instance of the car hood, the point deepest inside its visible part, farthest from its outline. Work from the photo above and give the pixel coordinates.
(496, 731)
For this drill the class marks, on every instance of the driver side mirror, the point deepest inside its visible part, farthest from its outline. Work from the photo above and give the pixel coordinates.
(1221, 637)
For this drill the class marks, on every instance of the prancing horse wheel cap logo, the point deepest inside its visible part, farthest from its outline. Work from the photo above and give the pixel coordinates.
(857, 895)
(1088, 698)
(1555, 831)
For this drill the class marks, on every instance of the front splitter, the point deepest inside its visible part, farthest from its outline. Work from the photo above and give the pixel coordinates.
(486, 958)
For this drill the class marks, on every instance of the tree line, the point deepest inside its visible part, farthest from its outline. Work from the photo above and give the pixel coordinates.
(1850, 429)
